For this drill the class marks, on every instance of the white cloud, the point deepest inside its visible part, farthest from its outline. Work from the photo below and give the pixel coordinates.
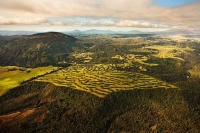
(127, 23)
(23, 21)
(125, 13)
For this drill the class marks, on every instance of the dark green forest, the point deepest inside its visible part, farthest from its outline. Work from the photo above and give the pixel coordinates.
(36, 106)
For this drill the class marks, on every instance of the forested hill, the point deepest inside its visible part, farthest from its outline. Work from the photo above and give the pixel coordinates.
(44, 107)
(36, 50)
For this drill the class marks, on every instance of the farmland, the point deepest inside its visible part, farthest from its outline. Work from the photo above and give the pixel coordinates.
(111, 63)
(170, 51)
(100, 82)
(12, 76)
(107, 83)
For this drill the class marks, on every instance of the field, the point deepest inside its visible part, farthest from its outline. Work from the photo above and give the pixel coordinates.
(170, 51)
(102, 82)
(99, 71)
(12, 76)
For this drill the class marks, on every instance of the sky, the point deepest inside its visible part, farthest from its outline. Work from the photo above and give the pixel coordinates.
(117, 15)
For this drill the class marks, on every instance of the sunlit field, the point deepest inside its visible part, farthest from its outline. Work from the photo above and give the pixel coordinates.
(102, 82)
(12, 76)
(170, 51)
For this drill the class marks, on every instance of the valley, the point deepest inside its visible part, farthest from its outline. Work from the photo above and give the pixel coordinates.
(90, 83)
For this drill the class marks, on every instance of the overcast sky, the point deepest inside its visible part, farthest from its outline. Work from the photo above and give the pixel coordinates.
(66, 15)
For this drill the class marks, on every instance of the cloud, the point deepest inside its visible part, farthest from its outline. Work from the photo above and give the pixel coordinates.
(124, 13)
(19, 21)
(125, 23)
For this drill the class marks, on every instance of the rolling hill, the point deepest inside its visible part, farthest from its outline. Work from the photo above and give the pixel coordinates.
(37, 49)
(120, 83)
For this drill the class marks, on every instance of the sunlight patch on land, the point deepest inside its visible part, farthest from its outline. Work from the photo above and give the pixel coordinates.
(140, 50)
(85, 55)
(170, 51)
(12, 76)
(178, 38)
(195, 71)
(130, 58)
(101, 83)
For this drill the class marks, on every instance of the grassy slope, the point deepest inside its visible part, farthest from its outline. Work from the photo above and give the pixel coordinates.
(12, 76)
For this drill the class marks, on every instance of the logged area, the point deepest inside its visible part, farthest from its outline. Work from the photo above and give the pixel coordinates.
(52, 82)
(101, 81)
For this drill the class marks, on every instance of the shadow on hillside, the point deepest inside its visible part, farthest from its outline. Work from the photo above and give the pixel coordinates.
(149, 110)
(49, 108)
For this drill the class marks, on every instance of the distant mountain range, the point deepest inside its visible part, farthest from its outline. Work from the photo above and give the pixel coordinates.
(187, 33)
(94, 31)
(75, 32)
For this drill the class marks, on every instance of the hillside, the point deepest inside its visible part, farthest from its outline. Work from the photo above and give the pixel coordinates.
(36, 50)
(43, 107)
(113, 83)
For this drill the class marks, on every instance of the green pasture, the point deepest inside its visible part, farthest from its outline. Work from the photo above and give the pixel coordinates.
(12, 76)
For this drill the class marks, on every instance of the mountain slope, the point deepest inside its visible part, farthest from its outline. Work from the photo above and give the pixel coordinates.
(38, 49)
(43, 107)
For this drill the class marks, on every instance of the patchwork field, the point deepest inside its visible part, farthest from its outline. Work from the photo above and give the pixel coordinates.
(170, 51)
(130, 58)
(12, 76)
(101, 83)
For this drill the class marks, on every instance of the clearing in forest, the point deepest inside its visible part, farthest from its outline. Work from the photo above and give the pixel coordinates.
(102, 82)
(12, 76)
